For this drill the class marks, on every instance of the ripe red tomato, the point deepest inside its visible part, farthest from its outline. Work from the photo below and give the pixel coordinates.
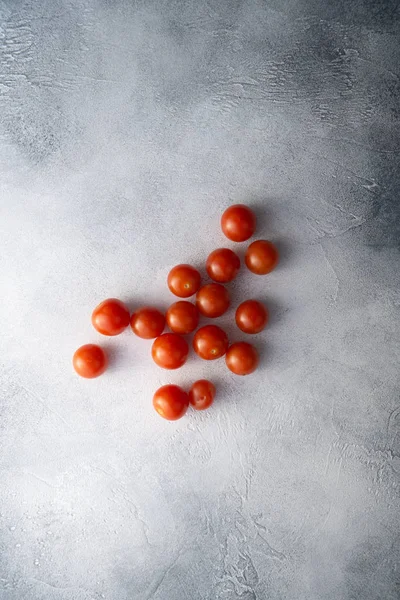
(182, 317)
(261, 257)
(110, 317)
(238, 223)
(202, 394)
(171, 402)
(212, 300)
(89, 361)
(210, 342)
(170, 351)
(251, 316)
(223, 265)
(148, 322)
(184, 281)
(241, 358)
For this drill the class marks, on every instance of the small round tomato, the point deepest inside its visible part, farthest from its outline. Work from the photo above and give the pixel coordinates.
(251, 316)
(89, 361)
(212, 300)
(241, 358)
(210, 342)
(223, 265)
(110, 317)
(182, 317)
(238, 223)
(261, 257)
(202, 394)
(148, 322)
(171, 402)
(170, 351)
(184, 281)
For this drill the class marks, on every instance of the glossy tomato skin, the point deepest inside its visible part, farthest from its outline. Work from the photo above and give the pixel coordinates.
(90, 361)
(210, 342)
(110, 317)
(238, 223)
(147, 322)
(223, 265)
(170, 351)
(202, 394)
(184, 280)
(182, 317)
(242, 358)
(251, 316)
(212, 300)
(171, 402)
(261, 257)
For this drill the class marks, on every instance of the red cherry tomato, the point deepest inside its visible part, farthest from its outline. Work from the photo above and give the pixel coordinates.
(89, 361)
(261, 257)
(184, 281)
(223, 265)
(170, 351)
(110, 317)
(148, 322)
(202, 394)
(241, 358)
(238, 223)
(171, 402)
(210, 342)
(212, 300)
(182, 317)
(251, 316)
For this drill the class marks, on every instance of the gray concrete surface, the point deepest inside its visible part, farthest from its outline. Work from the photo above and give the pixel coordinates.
(125, 130)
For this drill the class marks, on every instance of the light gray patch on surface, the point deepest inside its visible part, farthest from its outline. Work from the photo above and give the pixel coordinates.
(126, 128)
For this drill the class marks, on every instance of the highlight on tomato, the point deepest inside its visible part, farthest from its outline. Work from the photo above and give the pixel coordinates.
(202, 394)
(110, 317)
(212, 300)
(147, 322)
(210, 342)
(170, 351)
(171, 402)
(261, 257)
(251, 316)
(184, 280)
(223, 265)
(241, 358)
(238, 223)
(89, 361)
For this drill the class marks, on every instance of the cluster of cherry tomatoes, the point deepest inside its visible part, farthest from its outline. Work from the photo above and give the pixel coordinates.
(170, 350)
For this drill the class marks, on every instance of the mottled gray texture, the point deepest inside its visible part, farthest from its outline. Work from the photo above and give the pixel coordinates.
(125, 129)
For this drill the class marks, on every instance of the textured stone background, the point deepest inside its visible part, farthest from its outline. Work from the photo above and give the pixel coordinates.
(125, 129)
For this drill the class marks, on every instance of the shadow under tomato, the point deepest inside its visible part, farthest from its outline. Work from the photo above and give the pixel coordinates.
(286, 250)
(264, 217)
(276, 312)
(115, 356)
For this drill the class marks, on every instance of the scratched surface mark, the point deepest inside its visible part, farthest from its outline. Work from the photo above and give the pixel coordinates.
(125, 130)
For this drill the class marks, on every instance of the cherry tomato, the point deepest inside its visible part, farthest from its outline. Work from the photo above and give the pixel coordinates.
(182, 317)
(148, 322)
(223, 265)
(171, 402)
(202, 394)
(261, 257)
(238, 223)
(210, 342)
(89, 361)
(110, 317)
(170, 351)
(241, 358)
(251, 316)
(212, 300)
(184, 281)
